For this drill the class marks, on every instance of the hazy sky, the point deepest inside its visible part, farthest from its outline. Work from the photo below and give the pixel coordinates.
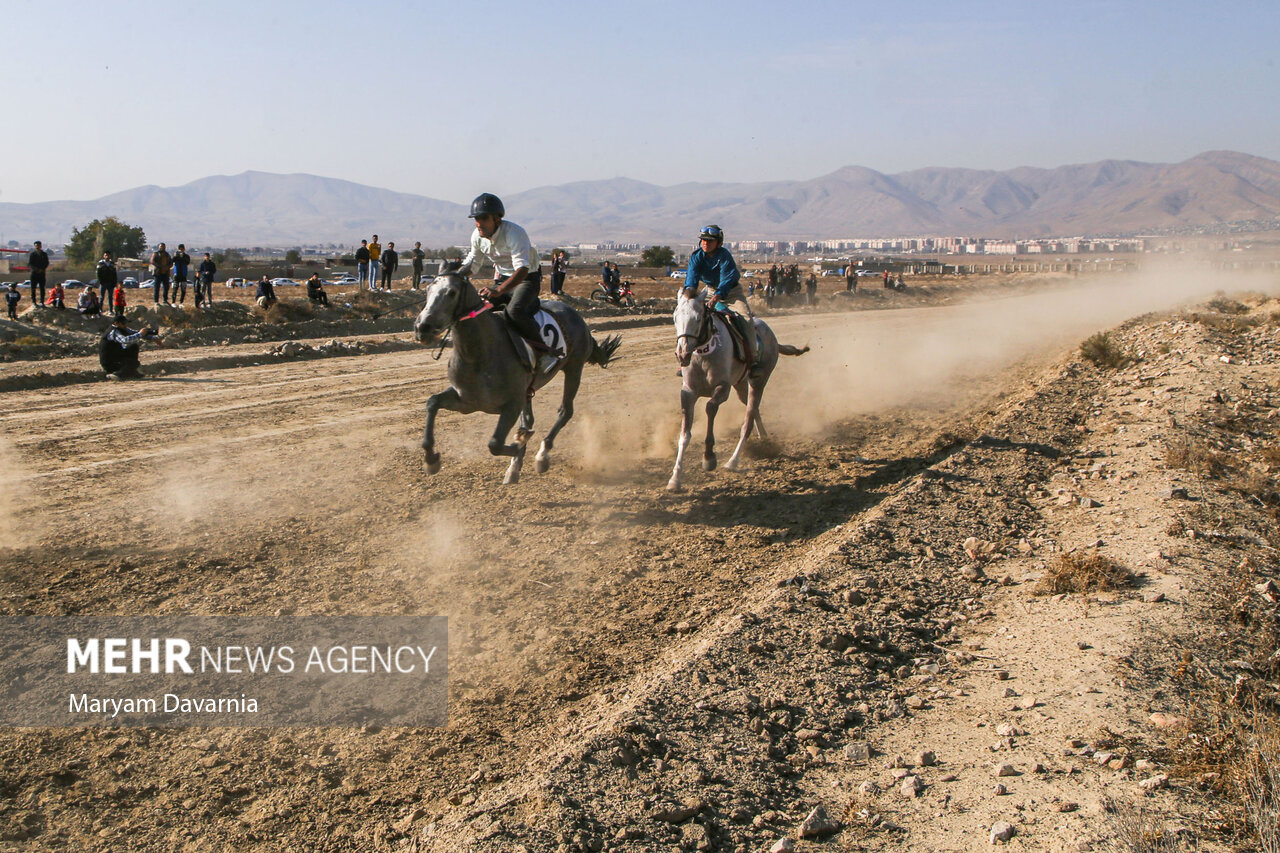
(450, 99)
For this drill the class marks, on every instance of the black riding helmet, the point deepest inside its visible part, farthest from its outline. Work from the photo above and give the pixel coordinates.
(712, 232)
(486, 203)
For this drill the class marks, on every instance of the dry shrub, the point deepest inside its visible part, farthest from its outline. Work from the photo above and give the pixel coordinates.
(1134, 829)
(1226, 305)
(1232, 323)
(28, 341)
(1189, 454)
(1103, 352)
(1081, 572)
(1260, 780)
(289, 312)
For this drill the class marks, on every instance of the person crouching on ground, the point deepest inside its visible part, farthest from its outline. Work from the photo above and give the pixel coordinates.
(266, 295)
(57, 297)
(315, 291)
(88, 304)
(118, 352)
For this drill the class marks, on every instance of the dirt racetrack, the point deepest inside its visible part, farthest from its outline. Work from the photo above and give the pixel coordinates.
(589, 609)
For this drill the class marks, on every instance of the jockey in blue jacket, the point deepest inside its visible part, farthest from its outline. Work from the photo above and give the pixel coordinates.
(712, 263)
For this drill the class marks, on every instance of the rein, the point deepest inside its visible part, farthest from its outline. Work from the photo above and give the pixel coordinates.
(706, 330)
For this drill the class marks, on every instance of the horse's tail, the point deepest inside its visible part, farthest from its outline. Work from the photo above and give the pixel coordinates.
(787, 349)
(602, 351)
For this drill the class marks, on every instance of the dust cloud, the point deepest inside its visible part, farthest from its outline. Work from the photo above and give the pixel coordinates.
(17, 530)
(915, 357)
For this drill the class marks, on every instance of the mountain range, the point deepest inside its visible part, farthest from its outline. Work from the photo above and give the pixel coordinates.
(1110, 197)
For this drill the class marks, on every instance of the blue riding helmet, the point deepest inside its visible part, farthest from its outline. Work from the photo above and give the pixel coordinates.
(711, 232)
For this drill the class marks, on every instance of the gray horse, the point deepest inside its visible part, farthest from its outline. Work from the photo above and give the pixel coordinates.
(487, 375)
(710, 368)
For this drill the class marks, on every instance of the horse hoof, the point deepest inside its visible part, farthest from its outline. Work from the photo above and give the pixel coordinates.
(731, 465)
(673, 487)
(542, 464)
(510, 479)
(431, 466)
(709, 463)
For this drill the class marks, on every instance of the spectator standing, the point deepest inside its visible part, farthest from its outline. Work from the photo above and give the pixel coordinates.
(204, 281)
(390, 263)
(181, 266)
(118, 300)
(375, 262)
(418, 257)
(161, 267)
(118, 352)
(886, 279)
(811, 289)
(11, 299)
(850, 278)
(266, 295)
(38, 261)
(362, 266)
(88, 304)
(559, 269)
(107, 276)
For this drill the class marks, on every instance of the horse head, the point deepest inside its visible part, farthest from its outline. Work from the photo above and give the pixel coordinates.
(448, 296)
(688, 317)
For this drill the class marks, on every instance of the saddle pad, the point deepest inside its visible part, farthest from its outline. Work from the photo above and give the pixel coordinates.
(552, 336)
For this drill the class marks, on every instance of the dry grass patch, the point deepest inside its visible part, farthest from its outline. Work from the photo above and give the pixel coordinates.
(1190, 454)
(1081, 572)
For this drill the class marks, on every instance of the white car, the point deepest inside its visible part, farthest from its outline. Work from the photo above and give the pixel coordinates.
(345, 278)
(236, 282)
(129, 281)
(679, 273)
(283, 282)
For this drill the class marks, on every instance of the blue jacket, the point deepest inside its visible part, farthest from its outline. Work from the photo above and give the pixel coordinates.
(717, 269)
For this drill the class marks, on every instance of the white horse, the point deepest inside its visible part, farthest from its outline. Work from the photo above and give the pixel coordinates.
(710, 368)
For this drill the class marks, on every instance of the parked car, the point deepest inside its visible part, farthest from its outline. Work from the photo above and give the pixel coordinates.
(148, 283)
(679, 273)
(283, 282)
(129, 282)
(236, 282)
(345, 279)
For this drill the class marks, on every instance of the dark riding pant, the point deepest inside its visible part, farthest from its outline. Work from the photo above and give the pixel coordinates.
(522, 308)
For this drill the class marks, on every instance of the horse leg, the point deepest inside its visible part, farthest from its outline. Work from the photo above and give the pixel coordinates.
(754, 391)
(572, 379)
(713, 405)
(687, 400)
(444, 400)
(498, 443)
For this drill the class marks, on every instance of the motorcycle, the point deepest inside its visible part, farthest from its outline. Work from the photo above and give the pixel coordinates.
(624, 298)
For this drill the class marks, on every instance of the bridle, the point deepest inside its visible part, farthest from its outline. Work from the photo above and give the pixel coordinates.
(462, 313)
(704, 332)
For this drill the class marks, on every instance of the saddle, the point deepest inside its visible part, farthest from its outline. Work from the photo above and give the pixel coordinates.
(552, 342)
(734, 321)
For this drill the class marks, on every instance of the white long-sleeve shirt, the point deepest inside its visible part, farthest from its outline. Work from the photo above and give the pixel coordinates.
(509, 249)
